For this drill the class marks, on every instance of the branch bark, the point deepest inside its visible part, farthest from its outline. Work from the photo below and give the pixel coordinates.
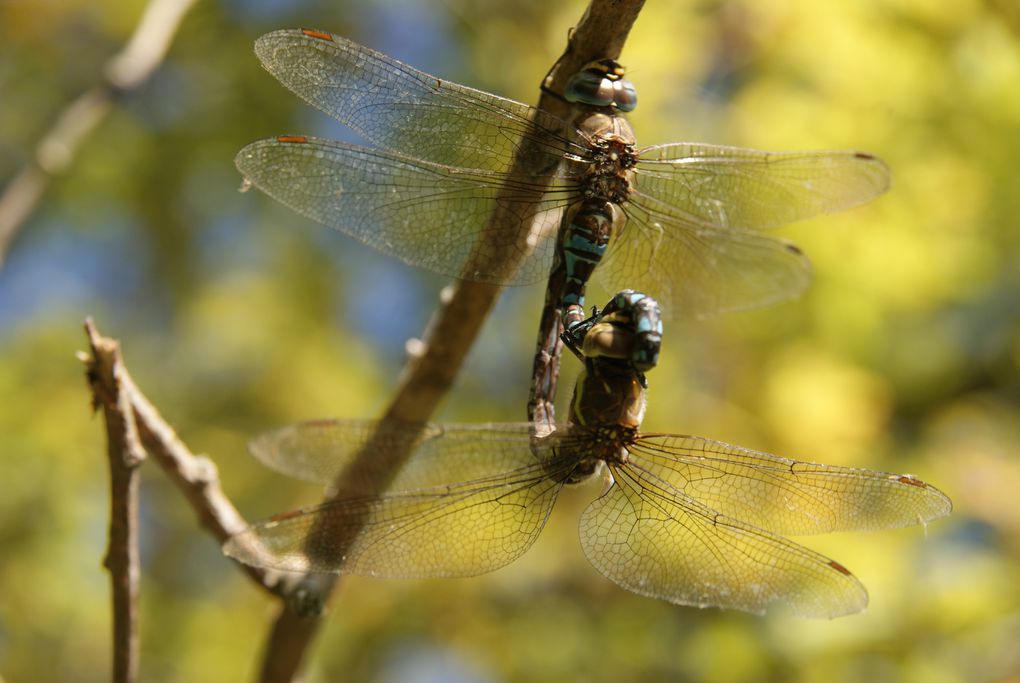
(125, 453)
(54, 154)
(147, 431)
(429, 376)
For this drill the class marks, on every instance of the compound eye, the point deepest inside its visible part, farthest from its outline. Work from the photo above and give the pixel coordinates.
(645, 352)
(601, 84)
(593, 89)
(624, 95)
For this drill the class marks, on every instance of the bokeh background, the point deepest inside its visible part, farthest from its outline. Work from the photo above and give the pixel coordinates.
(237, 316)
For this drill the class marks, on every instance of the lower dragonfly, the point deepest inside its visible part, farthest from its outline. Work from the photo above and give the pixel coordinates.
(682, 518)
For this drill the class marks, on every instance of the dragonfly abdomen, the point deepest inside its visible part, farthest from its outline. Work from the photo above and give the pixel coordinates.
(584, 243)
(590, 226)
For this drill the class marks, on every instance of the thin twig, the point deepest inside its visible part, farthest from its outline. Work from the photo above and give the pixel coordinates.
(125, 452)
(196, 476)
(431, 373)
(124, 72)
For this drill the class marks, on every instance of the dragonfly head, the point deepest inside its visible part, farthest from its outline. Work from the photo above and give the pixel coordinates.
(601, 84)
(628, 330)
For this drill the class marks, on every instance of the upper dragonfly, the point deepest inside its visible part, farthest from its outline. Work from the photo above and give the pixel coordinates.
(682, 518)
(681, 220)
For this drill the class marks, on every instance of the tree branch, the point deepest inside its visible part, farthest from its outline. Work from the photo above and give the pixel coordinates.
(124, 72)
(125, 453)
(195, 476)
(452, 333)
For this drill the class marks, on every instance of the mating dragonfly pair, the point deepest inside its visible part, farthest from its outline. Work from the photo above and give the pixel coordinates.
(683, 518)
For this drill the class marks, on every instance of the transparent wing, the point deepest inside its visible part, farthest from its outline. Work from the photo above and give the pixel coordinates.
(782, 495)
(660, 543)
(425, 214)
(322, 450)
(496, 491)
(700, 270)
(732, 187)
(690, 237)
(403, 109)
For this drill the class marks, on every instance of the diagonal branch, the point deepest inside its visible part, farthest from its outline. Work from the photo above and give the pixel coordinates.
(455, 326)
(54, 154)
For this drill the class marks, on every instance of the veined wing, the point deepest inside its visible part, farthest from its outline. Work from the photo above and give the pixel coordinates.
(462, 529)
(691, 225)
(732, 187)
(403, 109)
(323, 450)
(781, 495)
(661, 543)
(697, 270)
(425, 214)
(470, 500)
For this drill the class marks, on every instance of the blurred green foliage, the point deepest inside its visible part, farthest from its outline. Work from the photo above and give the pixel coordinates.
(237, 315)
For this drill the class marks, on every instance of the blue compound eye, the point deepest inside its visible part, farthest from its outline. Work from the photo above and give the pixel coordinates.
(592, 89)
(601, 84)
(624, 95)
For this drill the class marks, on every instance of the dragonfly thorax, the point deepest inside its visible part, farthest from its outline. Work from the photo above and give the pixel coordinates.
(614, 440)
(610, 174)
(596, 446)
(609, 396)
(611, 157)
